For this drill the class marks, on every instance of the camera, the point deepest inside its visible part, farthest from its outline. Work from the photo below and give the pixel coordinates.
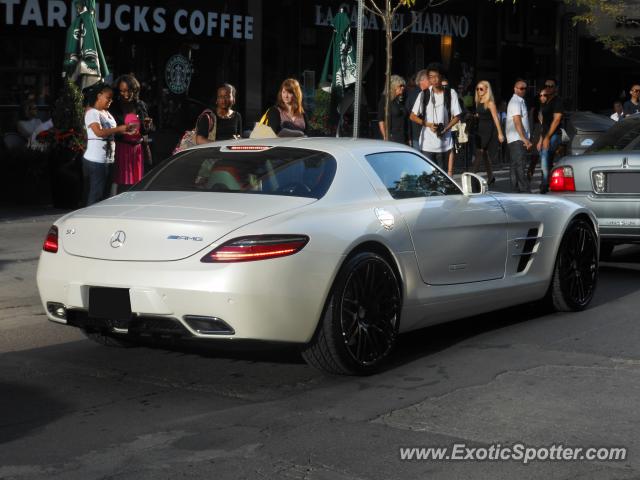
(439, 129)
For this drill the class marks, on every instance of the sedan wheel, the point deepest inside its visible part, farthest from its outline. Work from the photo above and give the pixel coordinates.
(576, 271)
(360, 324)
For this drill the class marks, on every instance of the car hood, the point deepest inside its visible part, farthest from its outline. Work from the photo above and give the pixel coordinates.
(163, 226)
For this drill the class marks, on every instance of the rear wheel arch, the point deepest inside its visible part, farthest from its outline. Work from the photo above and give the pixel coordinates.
(584, 216)
(383, 251)
(321, 351)
(368, 246)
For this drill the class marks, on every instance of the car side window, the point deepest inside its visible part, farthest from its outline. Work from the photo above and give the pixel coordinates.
(407, 175)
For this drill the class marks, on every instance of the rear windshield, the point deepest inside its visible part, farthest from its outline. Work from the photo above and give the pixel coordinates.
(277, 171)
(624, 135)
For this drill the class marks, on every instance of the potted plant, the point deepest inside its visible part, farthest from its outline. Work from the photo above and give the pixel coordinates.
(319, 120)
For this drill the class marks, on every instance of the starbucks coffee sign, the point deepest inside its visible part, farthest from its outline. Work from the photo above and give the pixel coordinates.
(129, 17)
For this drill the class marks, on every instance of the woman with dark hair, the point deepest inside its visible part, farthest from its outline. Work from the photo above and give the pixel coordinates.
(287, 115)
(130, 110)
(227, 123)
(101, 128)
(535, 114)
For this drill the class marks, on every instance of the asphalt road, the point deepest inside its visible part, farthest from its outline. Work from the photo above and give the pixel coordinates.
(71, 409)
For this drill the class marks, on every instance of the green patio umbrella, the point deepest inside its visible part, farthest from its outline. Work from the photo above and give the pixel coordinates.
(341, 50)
(83, 60)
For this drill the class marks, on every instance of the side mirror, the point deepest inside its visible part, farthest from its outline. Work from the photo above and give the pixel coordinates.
(473, 184)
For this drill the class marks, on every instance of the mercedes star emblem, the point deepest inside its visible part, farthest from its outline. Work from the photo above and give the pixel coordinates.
(117, 239)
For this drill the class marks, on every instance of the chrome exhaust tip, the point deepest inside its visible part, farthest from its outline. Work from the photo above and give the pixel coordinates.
(208, 325)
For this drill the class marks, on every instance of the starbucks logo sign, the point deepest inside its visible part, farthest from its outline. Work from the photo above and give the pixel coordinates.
(178, 74)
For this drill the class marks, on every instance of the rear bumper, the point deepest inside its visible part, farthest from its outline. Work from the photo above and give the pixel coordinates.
(618, 217)
(273, 300)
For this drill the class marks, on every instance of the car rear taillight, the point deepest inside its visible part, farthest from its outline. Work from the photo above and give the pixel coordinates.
(259, 247)
(51, 242)
(562, 180)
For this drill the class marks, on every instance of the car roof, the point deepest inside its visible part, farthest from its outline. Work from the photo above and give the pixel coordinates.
(330, 145)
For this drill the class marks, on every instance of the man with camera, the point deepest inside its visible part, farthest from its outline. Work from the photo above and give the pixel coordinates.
(437, 110)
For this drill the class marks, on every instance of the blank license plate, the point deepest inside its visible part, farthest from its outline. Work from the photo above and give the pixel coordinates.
(627, 182)
(109, 303)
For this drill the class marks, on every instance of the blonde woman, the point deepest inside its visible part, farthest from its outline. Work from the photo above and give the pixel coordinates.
(398, 114)
(489, 129)
(288, 113)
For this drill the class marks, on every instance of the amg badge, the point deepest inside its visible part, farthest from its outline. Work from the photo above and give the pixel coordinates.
(184, 237)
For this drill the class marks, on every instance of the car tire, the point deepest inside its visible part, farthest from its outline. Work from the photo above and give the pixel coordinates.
(606, 249)
(575, 274)
(108, 340)
(359, 327)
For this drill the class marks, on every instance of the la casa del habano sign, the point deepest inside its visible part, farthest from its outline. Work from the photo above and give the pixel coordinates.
(423, 22)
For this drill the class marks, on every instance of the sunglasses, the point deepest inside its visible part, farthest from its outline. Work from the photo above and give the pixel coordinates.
(544, 95)
(480, 89)
(549, 85)
(635, 90)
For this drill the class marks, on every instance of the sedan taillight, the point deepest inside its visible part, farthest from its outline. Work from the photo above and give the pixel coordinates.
(51, 242)
(259, 247)
(562, 180)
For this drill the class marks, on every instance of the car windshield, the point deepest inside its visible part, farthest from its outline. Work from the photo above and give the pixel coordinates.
(624, 135)
(274, 171)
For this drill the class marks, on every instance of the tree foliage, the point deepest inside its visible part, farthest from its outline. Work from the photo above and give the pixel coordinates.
(386, 10)
(614, 23)
(611, 22)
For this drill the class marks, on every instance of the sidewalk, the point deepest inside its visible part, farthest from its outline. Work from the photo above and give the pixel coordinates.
(29, 213)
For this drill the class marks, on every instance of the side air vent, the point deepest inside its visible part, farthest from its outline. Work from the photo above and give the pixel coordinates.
(527, 250)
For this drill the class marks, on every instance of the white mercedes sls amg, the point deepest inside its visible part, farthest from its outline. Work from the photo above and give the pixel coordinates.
(337, 245)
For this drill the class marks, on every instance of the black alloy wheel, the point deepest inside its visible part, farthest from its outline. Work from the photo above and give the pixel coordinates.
(359, 328)
(576, 271)
(369, 311)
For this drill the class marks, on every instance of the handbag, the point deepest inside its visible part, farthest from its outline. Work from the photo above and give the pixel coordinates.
(146, 151)
(262, 128)
(188, 138)
(461, 129)
(264, 120)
